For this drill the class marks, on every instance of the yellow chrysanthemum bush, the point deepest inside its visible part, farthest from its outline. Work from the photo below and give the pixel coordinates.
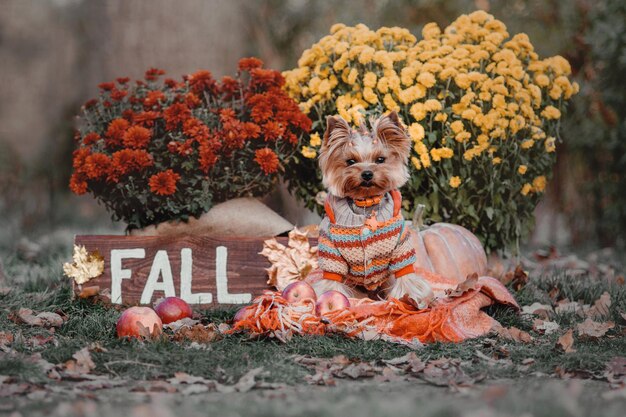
(482, 110)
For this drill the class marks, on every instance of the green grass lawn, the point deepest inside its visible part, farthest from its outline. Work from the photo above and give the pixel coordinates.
(38, 284)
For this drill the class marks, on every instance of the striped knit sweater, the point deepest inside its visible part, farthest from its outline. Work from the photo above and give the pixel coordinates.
(351, 252)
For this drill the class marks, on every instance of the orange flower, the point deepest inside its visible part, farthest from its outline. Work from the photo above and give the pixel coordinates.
(153, 98)
(106, 86)
(153, 74)
(176, 114)
(202, 81)
(246, 64)
(251, 130)
(128, 160)
(96, 166)
(115, 132)
(273, 130)
(164, 183)
(267, 160)
(195, 129)
(146, 118)
(78, 185)
(91, 137)
(137, 137)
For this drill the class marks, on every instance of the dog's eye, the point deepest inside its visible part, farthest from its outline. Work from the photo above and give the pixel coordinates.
(380, 159)
(350, 162)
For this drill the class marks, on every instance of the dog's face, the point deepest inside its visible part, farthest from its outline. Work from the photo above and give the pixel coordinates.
(360, 163)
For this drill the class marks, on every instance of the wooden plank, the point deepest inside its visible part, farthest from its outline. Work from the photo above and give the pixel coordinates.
(206, 272)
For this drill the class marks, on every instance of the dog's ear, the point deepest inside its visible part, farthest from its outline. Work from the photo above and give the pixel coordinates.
(389, 130)
(336, 128)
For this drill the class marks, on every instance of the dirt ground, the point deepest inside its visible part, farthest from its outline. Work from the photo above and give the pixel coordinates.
(534, 396)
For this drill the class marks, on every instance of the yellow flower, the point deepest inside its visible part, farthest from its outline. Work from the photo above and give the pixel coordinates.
(425, 160)
(463, 136)
(539, 184)
(462, 81)
(456, 126)
(542, 80)
(354, 73)
(308, 152)
(551, 112)
(315, 140)
(522, 169)
(528, 143)
(420, 148)
(417, 111)
(383, 85)
(416, 131)
(497, 160)
(441, 117)
(527, 188)
(369, 80)
(416, 163)
(369, 95)
(390, 103)
(430, 31)
(426, 79)
(432, 105)
(550, 144)
(455, 182)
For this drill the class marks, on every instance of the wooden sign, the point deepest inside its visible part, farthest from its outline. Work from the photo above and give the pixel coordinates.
(203, 271)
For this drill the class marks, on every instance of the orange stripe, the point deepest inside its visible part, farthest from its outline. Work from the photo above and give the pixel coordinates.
(329, 210)
(404, 271)
(331, 276)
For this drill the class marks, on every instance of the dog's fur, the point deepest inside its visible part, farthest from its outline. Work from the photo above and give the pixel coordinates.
(387, 139)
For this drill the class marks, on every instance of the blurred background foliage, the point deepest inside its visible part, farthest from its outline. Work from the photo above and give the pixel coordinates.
(54, 53)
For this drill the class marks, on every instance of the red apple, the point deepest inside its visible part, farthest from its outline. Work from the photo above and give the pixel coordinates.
(298, 291)
(330, 301)
(172, 309)
(139, 322)
(243, 314)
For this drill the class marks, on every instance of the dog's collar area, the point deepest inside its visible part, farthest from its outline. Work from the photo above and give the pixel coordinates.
(368, 202)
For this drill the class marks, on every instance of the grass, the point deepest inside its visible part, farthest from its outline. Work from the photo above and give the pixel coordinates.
(39, 285)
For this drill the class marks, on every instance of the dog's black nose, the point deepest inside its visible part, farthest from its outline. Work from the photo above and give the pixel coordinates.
(367, 175)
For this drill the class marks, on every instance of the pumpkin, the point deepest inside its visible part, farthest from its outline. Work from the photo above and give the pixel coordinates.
(447, 249)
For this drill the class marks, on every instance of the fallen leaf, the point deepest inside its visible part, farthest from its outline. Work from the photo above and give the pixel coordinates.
(289, 263)
(545, 326)
(513, 333)
(6, 338)
(537, 309)
(87, 292)
(566, 306)
(179, 324)
(81, 364)
(198, 333)
(44, 319)
(600, 308)
(413, 364)
(85, 266)
(594, 330)
(518, 278)
(565, 343)
(470, 283)
(446, 373)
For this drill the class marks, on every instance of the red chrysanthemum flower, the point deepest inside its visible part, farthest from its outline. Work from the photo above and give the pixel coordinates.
(202, 81)
(106, 86)
(91, 138)
(265, 78)
(207, 154)
(128, 160)
(122, 80)
(90, 103)
(273, 130)
(146, 118)
(176, 114)
(170, 83)
(137, 137)
(118, 95)
(192, 100)
(230, 87)
(153, 74)
(194, 129)
(251, 130)
(79, 157)
(78, 184)
(267, 160)
(153, 99)
(115, 132)
(246, 64)
(164, 183)
(96, 166)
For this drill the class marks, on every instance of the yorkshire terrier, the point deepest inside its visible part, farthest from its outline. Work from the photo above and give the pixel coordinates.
(363, 238)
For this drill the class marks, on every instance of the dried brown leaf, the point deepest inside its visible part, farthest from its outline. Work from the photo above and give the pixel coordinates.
(86, 265)
(44, 319)
(518, 278)
(600, 308)
(565, 343)
(289, 263)
(513, 333)
(446, 373)
(198, 333)
(545, 326)
(537, 309)
(81, 364)
(87, 292)
(470, 283)
(594, 330)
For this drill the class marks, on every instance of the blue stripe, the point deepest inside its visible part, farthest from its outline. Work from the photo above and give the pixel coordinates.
(370, 270)
(328, 249)
(406, 262)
